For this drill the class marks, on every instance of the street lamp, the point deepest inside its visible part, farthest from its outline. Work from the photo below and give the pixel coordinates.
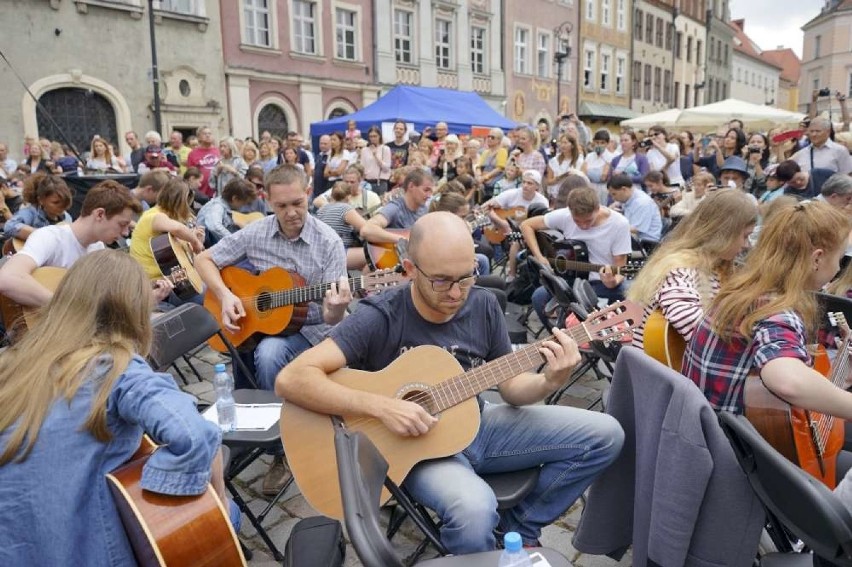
(158, 122)
(561, 52)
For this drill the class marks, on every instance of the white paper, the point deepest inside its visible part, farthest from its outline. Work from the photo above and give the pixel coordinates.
(250, 417)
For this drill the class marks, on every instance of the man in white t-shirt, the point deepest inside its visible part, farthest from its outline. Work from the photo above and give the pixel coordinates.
(521, 198)
(367, 200)
(107, 214)
(664, 156)
(605, 233)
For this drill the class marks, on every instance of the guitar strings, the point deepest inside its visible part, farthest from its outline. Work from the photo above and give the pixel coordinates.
(825, 423)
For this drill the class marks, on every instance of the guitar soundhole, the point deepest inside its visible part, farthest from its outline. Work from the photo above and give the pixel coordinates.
(421, 397)
(264, 301)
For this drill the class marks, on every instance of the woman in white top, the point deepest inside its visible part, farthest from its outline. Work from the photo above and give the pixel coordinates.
(664, 156)
(567, 162)
(338, 161)
(101, 158)
(230, 166)
(376, 159)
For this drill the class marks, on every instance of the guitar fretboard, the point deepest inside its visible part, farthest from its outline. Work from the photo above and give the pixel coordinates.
(304, 294)
(461, 387)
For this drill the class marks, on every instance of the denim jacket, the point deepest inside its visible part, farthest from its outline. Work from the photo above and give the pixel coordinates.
(29, 216)
(56, 507)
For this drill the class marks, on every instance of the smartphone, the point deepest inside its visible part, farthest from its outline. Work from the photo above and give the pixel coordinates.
(704, 141)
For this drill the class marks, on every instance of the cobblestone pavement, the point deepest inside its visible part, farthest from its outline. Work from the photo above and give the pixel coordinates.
(292, 507)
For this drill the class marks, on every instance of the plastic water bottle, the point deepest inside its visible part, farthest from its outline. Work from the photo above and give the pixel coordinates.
(225, 407)
(514, 554)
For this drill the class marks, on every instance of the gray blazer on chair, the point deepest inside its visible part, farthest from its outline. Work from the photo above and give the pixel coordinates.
(676, 491)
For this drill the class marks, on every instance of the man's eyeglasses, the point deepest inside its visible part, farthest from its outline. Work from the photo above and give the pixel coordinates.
(440, 285)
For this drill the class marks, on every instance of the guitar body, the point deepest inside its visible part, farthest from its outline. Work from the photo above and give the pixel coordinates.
(258, 321)
(384, 256)
(495, 235)
(21, 318)
(243, 219)
(789, 431)
(172, 530)
(309, 436)
(561, 251)
(174, 256)
(662, 342)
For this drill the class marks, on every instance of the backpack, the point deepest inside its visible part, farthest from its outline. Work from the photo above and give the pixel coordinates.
(315, 542)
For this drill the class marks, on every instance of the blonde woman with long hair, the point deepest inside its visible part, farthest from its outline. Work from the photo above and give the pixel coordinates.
(77, 395)
(684, 274)
(172, 214)
(766, 314)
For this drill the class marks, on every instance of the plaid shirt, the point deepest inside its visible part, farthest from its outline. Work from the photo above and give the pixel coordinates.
(720, 368)
(317, 255)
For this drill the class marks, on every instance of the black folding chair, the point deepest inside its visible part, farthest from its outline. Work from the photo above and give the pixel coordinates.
(792, 498)
(362, 472)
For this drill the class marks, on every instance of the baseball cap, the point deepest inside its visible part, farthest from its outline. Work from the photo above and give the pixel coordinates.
(532, 175)
(153, 150)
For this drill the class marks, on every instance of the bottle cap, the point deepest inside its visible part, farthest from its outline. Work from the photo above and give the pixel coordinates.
(219, 368)
(512, 541)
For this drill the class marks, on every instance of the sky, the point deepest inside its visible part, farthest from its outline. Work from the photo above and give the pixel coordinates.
(770, 23)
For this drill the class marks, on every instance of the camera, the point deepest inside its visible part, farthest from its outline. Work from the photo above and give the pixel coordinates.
(754, 150)
(825, 91)
(646, 143)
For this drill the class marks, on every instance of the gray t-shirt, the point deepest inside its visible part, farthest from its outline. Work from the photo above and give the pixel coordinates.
(386, 325)
(400, 216)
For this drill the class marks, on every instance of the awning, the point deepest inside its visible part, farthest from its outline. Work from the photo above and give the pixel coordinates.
(608, 111)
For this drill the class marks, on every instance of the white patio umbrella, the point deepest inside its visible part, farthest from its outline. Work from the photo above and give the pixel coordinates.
(665, 118)
(754, 116)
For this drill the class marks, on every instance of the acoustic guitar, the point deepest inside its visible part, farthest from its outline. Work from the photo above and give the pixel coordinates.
(430, 376)
(493, 234)
(169, 530)
(13, 246)
(808, 439)
(244, 219)
(571, 257)
(276, 301)
(175, 259)
(19, 318)
(386, 255)
(662, 342)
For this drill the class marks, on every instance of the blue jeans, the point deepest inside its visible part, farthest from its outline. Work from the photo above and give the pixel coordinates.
(573, 445)
(274, 353)
(483, 264)
(541, 296)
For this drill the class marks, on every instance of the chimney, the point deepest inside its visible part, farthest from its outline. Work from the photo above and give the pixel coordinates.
(740, 23)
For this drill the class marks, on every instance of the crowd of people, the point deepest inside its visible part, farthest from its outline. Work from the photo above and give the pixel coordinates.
(690, 203)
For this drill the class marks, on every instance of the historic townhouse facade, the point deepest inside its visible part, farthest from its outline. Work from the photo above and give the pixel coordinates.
(718, 56)
(827, 54)
(755, 77)
(689, 48)
(653, 56)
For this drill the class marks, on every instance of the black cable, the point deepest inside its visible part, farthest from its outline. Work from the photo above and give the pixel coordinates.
(41, 107)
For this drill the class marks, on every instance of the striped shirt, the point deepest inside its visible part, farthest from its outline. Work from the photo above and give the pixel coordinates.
(679, 298)
(332, 214)
(317, 255)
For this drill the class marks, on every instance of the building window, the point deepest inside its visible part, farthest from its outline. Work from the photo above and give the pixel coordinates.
(816, 84)
(667, 86)
(659, 32)
(739, 75)
(710, 52)
(637, 79)
(724, 91)
(606, 13)
(677, 95)
(698, 51)
(621, 15)
(304, 26)
(522, 38)
(620, 68)
(443, 43)
(590, 10)
(543, 55)
(589, 69)
(638, 18)
(669, 36)
(709, 97)
(658, 84)
(678, 44)
(753, 79)
(817, 46)
(718, 85)
(189, 7)
(256, 18)
(647, 82)
(477, 49)
(649, 29)
(686, 98)
(606, 59)
(402, 35)
(272, 118)
(346, 31)
(689, 51)
(725, 61)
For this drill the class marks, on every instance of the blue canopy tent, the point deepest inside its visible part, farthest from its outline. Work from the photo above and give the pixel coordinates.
(423, 107)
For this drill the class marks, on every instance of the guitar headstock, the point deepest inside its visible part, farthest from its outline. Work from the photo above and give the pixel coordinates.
(178, 275)
(613, 322)
(381, 279)
(838, 319)
(631, 270)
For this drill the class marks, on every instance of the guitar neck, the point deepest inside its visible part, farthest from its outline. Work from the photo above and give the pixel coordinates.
(582, 266)
(457, 389)
(309, 293)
